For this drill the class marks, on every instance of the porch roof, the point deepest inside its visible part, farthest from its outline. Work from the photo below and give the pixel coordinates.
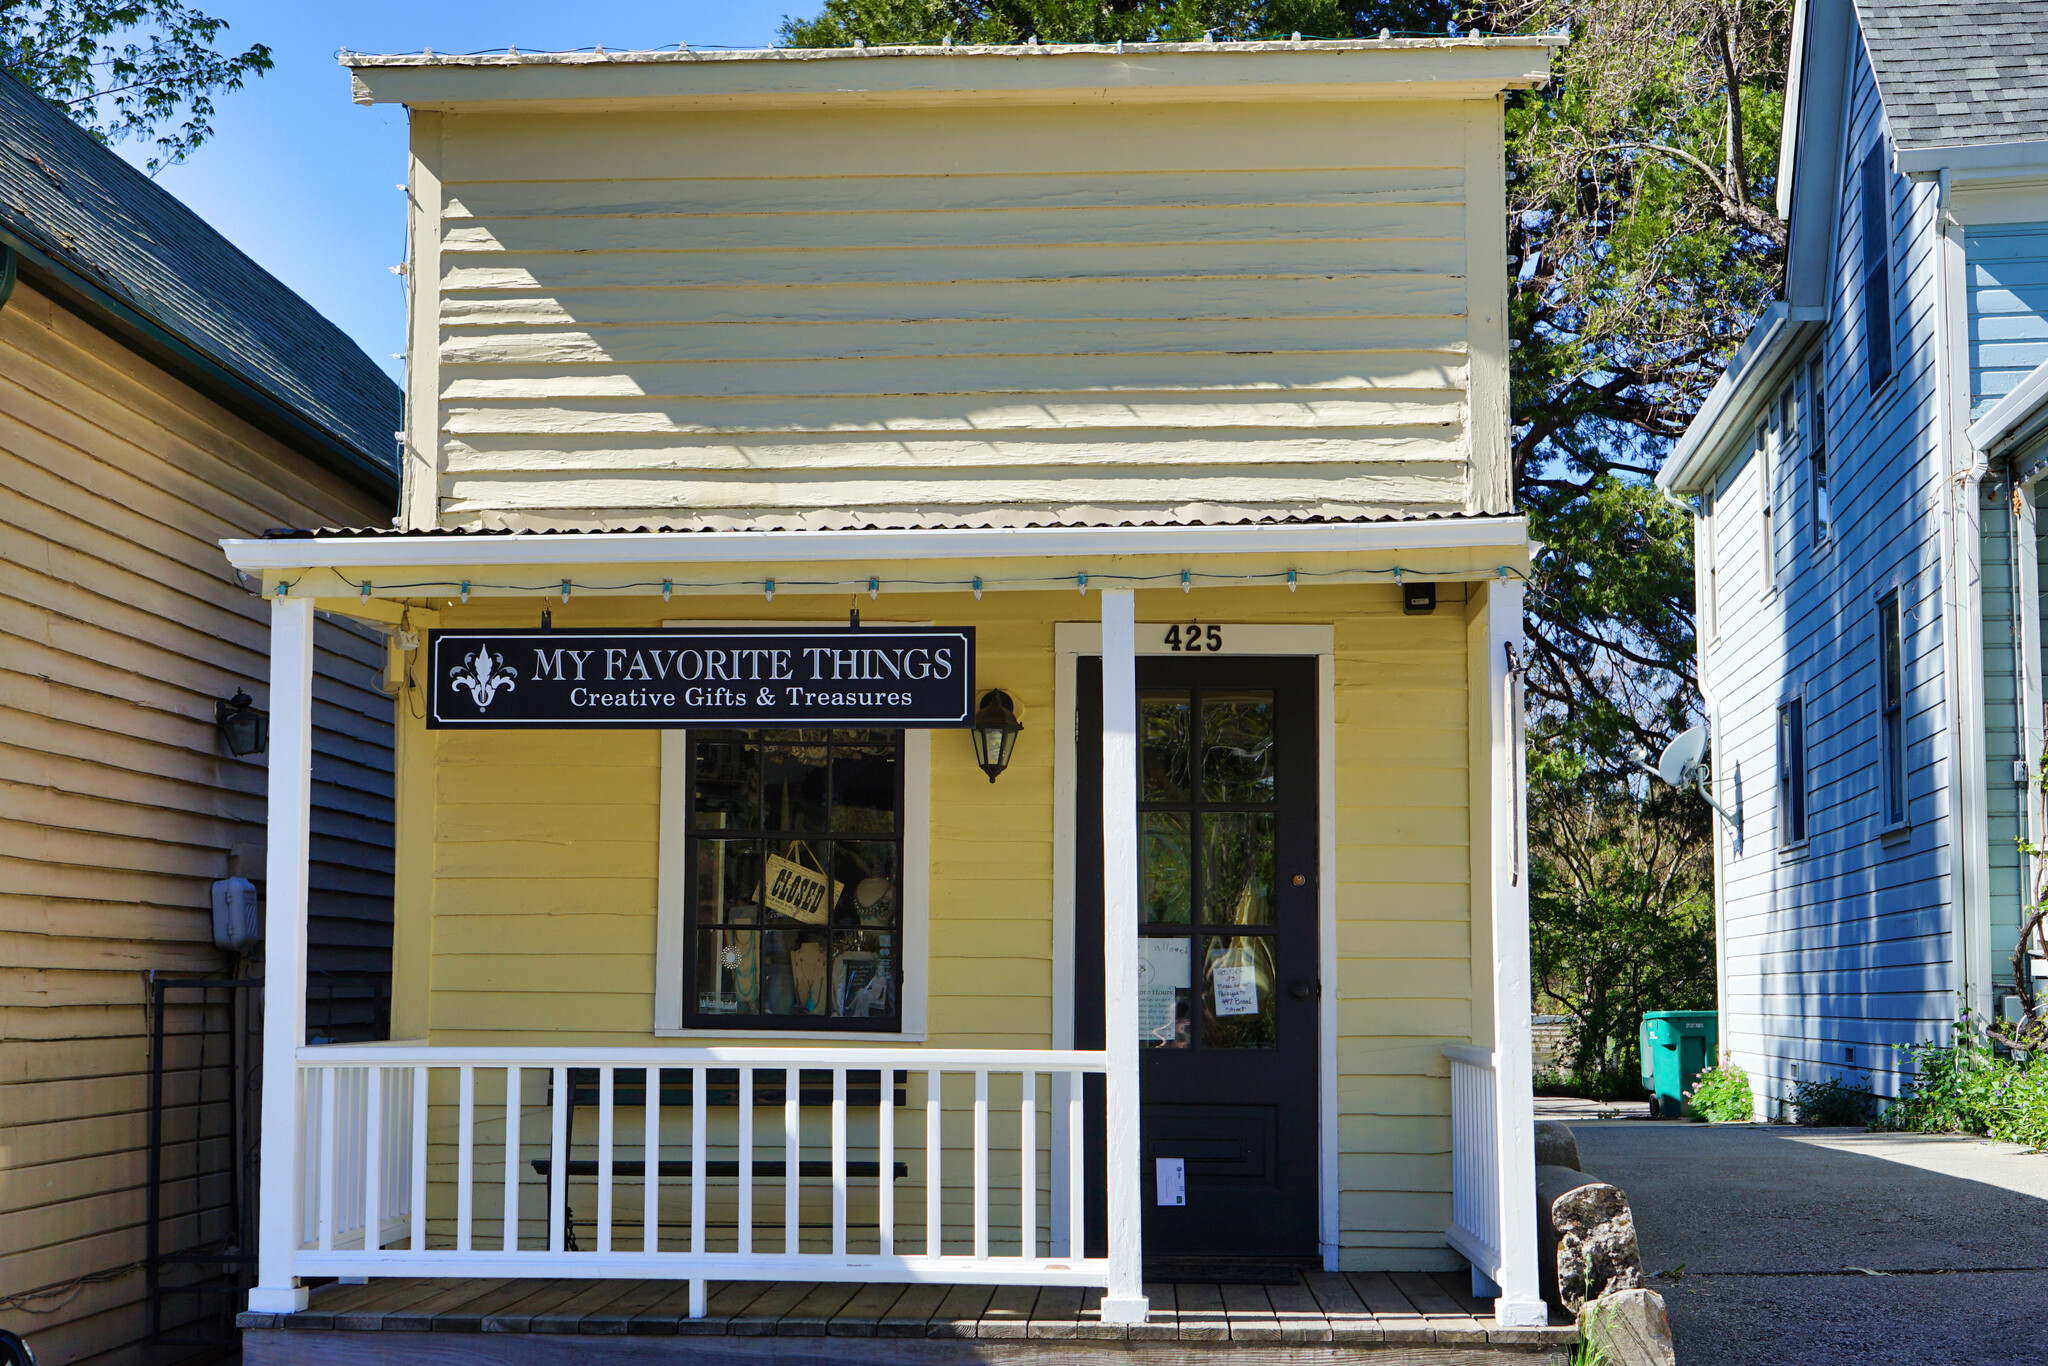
(365, 564)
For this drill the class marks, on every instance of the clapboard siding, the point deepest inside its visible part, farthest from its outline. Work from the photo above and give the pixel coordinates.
(120, 625)
(1843, 946)
(542, 878)
(820, 317)
(2008, 293)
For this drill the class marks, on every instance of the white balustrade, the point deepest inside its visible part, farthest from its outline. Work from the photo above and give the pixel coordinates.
(1475, 1159)
(522, 1162)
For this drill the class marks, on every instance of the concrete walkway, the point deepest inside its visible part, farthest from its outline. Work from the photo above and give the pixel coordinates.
(1833, 1247)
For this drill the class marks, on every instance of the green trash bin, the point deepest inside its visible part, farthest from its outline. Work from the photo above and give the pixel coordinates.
(1677, 1046)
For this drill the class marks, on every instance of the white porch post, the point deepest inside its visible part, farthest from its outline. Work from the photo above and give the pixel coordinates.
(1520, 1304)
(1124, 1300)
(284, 949)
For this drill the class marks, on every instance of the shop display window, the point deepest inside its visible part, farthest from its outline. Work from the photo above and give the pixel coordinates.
(796, 846)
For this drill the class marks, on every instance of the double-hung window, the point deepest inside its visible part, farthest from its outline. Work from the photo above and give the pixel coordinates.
(1891, 652)
(1792, 772)
(794, 860)
(1877, 275)
(1817, 452)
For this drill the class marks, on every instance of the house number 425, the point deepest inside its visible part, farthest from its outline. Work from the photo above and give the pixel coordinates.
(1194, 639)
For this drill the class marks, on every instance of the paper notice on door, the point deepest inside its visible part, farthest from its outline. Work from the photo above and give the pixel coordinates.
(1237, 990)
(1164, 972)
(1173, 1180)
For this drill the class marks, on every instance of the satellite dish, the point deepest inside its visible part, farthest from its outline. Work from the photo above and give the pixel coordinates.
(1681, 758)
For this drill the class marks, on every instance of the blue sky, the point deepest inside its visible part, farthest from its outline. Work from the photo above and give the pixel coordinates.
(302, 179)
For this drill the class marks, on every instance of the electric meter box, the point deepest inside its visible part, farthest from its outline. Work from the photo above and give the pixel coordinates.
(237, 919)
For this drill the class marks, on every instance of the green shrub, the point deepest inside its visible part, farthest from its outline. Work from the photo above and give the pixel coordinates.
(1833, 1102)
(1956, 1087)
(1722, 1094)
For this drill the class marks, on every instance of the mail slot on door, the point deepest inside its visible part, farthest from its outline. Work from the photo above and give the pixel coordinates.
(1216, 1141)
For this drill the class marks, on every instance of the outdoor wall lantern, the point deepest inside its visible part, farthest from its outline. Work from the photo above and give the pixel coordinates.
(244, 728)
(995, 732)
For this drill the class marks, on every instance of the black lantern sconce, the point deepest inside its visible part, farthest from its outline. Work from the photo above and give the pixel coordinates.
(244, 728)
(995, 732)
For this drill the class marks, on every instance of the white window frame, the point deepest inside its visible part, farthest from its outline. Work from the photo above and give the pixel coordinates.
(673, 888)
(1793, 774)
(1888, 765)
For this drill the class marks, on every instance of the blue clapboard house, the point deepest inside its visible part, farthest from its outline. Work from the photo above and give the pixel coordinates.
(1868, 494)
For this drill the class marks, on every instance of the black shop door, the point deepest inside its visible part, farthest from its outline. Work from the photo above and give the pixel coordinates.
(1228, 978)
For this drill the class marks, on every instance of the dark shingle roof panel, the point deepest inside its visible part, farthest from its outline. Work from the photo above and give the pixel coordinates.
(65, 194)
(1956, 72)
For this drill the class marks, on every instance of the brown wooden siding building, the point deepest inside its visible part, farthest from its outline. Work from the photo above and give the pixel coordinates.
(158, 392)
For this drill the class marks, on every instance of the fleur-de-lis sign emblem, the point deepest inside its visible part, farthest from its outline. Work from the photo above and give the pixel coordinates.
(483, 676)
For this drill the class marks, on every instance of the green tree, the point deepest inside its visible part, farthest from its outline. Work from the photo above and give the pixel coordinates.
(125, 69)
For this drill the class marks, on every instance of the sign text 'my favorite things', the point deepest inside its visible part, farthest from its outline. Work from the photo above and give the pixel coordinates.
(915, 676)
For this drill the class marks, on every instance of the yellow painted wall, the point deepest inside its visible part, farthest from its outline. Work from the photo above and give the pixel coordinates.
(953, 315)
(527, 861)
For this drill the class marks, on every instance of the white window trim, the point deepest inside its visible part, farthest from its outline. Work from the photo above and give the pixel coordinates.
(1785, 844)
(672, 894)
(1072, 639)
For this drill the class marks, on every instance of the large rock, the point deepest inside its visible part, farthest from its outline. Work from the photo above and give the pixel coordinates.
(1631, 1327)
(1588, 1238)
(1556, 1145)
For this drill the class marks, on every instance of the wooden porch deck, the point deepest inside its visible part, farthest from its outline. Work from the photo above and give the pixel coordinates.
(1318, 1317)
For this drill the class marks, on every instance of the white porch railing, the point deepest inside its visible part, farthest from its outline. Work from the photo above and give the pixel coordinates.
(470, 1161)
(1475, 1159)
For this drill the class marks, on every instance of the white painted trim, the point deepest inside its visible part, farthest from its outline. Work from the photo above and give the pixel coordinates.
(1071, 639)
(412, 1053)
(1775, 346)
(290, 804)
(2019, 416)
(535, 1266)
(1330, 1209)
(1124, 1299)
(1520, 1304)
(1982, 159)
(656, 548)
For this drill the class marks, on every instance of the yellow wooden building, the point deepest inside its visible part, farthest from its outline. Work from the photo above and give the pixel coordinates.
(1138, 413)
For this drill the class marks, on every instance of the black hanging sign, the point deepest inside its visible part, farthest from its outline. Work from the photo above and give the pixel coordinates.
(909, 676)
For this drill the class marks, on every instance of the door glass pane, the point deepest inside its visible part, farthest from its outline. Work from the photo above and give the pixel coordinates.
(728, 782)
(1165, 891)
(1237, 868)
(1237, 992)
(1237, 746)
(794, 787)
(1165, 979)
(1164, 722)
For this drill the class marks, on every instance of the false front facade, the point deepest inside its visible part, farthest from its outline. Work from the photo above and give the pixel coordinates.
(957, 616)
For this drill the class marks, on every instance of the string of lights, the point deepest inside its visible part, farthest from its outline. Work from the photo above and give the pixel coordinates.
(1186, 579)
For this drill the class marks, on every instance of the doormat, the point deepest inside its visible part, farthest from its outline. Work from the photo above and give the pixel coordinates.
(1228, 1270)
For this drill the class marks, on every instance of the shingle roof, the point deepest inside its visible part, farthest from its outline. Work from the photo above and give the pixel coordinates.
(1956, 72)
(65, 195)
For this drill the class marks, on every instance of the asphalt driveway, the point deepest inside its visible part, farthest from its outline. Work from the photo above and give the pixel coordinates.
(1827, 1246)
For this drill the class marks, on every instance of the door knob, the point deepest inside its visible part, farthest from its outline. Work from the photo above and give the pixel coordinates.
(1301, 991)
(1300, 881)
